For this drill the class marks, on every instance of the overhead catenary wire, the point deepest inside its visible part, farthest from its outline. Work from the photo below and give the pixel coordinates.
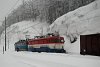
(18, 31)
(9, 11)
(26, 25)
(12, 8)
(25, 28)
(31, 26)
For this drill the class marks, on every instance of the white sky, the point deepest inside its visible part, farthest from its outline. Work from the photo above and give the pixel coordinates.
(6, 7)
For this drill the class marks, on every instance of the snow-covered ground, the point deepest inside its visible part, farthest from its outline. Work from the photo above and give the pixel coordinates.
(84, 20)
(30, 59)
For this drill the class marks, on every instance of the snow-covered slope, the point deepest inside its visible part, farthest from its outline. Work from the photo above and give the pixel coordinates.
(19, 31)
(84, 20)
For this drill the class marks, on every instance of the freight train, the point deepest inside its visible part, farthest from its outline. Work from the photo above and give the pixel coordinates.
(48, 43)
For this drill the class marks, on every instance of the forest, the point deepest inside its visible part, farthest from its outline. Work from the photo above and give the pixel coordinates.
(42, 10)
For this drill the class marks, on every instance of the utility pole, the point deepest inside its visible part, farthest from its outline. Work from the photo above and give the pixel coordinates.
(5, 33)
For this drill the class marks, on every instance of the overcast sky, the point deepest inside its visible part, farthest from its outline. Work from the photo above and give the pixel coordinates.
(6, 7)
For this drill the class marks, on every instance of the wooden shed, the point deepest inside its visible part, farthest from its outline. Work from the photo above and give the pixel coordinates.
(90, 44)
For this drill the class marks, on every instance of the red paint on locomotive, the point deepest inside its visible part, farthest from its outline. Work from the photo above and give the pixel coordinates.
(49, 40)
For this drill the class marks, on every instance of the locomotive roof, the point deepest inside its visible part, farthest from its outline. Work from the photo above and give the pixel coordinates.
(20, 41)
(47, 38)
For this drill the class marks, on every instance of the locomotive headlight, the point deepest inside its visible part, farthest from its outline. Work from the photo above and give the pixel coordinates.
(62, 40)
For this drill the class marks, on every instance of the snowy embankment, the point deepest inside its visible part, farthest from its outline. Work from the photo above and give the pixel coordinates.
(82, 21)
(19, 31)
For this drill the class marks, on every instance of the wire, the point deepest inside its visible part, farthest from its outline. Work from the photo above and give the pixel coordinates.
(12, 8)
(25, 28)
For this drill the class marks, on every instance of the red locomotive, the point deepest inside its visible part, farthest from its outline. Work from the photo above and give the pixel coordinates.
(48, 43)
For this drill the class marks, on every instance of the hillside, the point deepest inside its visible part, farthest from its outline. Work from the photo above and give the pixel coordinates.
(82, 21)
(20, 30)
(43, 10)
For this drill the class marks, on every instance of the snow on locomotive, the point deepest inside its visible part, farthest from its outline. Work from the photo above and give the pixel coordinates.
(49, 43)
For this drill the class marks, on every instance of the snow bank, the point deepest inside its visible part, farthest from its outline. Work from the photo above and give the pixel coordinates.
(84, 20)
(19, 31)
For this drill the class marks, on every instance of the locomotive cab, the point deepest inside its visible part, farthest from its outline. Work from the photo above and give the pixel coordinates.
(48, 44)
(21, 45)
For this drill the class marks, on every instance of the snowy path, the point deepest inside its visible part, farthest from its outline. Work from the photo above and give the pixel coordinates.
(38, 60)
(29, 59)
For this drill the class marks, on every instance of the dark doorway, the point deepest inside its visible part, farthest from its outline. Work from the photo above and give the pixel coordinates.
(90, 44)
